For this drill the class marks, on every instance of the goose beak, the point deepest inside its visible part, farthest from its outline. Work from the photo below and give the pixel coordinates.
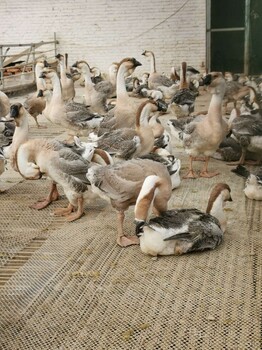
(207, 79)
(14, 111)
(40, 93)
(136, 63)
(74, 65)
(162, 105)
(46, 64)
(42, 75)
(143, 53)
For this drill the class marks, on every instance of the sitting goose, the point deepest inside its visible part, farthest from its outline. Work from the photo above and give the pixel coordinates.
(253, 184)
(4, 104)
(72, 115)
(247, 130)
(155, 79)
(121, 184)
(180, 231)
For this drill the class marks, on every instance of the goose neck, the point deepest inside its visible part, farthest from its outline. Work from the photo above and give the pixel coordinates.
(120, 82)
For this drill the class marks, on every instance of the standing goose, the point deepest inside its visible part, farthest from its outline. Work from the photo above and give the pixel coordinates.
(126, 143)
(180, 231)
(36, 103)
(121, 184)
(67, 83)
(204, 136)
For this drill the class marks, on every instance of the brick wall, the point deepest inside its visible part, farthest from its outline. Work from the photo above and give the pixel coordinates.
(103, 31)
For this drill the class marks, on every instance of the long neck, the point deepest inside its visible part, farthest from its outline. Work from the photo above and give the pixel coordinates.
(146, 197)
(218, 212)
(215, 107)
(152, 63)
(120, 83)
(143, 117)
(183, 80)
(87, 77)
(62, 67)
(40, 82)
(57, 91)
(21, 133)
(112, 76)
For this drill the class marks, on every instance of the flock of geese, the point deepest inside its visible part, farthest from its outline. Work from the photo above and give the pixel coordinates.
(118, 149)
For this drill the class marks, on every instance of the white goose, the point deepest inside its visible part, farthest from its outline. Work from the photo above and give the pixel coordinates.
(67, 83)
(95, 98)
(74, 116)
(176, 232)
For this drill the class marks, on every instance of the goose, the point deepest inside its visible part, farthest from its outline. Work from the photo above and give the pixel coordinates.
(123, 114)
(4, 104)
(172, 163)
(203, 137)
(96, 75)
(35, 103)
(234, 91)
(75, 117)
(247, 130)
(155, 79)
(64, 164)
(95, 95)
(121, 183)
(180, 231)
(59, 162)
(67, 83)
(126, 143)
(184, 97)
(253, 183)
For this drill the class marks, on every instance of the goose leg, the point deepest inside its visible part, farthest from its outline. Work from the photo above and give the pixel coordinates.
(242, 159)
(77, 214)
(122, 239)
(205, 173)
(64, 211)
(38, 125)
(43, 203)
(190, 174)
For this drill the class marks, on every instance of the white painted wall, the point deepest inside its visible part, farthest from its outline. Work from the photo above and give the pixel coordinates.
(102, 31)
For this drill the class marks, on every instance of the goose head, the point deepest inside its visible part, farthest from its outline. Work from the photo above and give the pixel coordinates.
(208, 78)
(220, 191)
(47, 73)
(82, 65)
(217, 86)
(147, 53)
(17, 113)
(130, 64)
(87, 149)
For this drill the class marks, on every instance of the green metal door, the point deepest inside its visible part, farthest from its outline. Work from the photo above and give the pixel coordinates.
(234, 31)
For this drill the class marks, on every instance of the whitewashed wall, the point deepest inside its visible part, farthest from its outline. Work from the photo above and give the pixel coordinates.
(103, 31)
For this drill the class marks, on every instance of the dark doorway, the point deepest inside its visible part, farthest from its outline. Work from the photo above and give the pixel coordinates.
(234, 36)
